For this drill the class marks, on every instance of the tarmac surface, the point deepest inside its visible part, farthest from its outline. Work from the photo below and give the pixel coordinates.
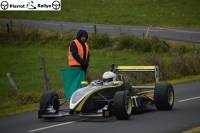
(185, 114)
(190, 35)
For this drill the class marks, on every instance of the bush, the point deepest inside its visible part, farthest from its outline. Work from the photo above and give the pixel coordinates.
(124, 42)
(99, 41)
(143, 45)
(24, 36)
(23, 98)
(176, 65)
(181, 49)
(159, 45)
(155, 60)
(186, 64)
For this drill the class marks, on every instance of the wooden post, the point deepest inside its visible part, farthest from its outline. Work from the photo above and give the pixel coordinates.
(147, 32)
(120, 31)
(8, 28)
(44, 74)
(95, 34)
(11, 26)
(12, 82)
(61, 31)
(95, 29)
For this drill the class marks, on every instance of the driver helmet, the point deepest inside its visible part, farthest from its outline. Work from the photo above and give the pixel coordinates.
(108, 78)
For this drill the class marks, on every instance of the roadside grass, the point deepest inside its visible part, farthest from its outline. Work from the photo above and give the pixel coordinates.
(21, 49)
(184, 79)
(14, 109)
(193, 130)
(164, 13)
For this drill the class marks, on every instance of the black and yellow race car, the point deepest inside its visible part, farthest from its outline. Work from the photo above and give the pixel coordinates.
(111, 95)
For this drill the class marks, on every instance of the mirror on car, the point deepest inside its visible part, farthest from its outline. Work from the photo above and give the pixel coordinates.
(84, 83)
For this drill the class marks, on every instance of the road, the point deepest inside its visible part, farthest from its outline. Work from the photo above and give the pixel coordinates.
(165, 33)
(186, 114)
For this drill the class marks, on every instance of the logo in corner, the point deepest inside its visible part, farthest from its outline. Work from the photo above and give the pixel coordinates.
(30, 5)
(56, 5)
(4, 5)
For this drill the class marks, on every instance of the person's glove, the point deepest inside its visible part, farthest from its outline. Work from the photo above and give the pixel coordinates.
(84, 67)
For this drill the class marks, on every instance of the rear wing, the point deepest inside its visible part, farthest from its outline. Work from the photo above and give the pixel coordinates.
(154, 69)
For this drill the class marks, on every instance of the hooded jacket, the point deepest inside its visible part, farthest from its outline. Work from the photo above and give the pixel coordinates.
(84, 62)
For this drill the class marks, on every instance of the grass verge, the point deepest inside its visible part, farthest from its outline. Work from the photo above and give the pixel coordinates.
(21, 49)
(184, 79)
(165, 13)
(18, 109)
(193, 130)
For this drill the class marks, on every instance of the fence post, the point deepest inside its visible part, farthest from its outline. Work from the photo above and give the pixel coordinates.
(95, 29)
(95, 33)
(8, 28)
(11, 26)
(147, 32)
(44, 74)
(61, 31)
(120, 30)
(12, 82)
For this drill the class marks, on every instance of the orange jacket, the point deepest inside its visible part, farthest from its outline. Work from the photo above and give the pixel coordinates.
(71, 60)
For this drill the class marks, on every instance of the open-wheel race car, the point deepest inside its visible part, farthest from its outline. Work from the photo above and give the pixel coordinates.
(111, 96)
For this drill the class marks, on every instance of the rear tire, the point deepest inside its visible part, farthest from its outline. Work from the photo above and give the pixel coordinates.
(122, 105)
(49, 98)
(164, 96)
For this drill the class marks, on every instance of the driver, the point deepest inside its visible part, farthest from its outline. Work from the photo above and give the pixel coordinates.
(108, 78)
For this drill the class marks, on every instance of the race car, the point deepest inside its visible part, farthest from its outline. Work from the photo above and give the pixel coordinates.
(111, 95)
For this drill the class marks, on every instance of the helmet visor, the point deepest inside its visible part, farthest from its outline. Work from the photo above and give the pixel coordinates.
(108, 80)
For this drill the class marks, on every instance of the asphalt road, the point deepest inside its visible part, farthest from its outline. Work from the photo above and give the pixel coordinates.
(190, 35)
(186, 114)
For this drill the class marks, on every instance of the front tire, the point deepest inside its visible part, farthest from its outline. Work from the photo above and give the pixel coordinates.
(49, 99)
(122, 105)
(164, 96)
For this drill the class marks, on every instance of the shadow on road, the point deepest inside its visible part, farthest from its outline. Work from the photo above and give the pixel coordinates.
(94, 119)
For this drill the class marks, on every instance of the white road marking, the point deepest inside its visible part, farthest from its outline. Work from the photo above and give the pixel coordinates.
(188, 99)
(52, 126)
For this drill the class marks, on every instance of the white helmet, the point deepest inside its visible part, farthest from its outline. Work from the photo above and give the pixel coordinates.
(108, 78)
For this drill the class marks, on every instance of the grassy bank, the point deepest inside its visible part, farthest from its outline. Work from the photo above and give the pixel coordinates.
(165, 13)
(14, 109)
(21, 49)
(193, 130)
